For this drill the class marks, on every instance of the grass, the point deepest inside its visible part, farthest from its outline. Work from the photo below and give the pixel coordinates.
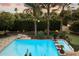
(74, 41)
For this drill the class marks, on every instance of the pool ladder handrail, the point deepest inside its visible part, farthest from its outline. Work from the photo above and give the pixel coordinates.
(28, 54)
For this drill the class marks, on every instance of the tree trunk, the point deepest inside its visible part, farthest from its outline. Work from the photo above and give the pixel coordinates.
(48, 28)
(48, 11)
(61, 19)
(35, 25)
(61, 26)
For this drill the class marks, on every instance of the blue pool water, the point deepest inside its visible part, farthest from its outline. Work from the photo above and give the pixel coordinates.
(33, 47)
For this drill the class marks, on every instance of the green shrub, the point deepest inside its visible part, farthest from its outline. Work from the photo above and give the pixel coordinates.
(27, 25)
(54, 25)
(75, 27)
(42, 25)
(25, 22)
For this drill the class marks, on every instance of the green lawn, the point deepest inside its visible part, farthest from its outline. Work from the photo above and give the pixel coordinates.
(74, 39)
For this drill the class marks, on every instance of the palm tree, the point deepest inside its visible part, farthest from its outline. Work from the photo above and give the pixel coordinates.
(36, 12)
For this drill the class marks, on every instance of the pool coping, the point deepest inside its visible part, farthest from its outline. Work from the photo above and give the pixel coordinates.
(70, 47)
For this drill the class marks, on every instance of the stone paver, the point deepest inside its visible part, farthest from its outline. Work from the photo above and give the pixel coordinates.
(72, 54)
(5, 41)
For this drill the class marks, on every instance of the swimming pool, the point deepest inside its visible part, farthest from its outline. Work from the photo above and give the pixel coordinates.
(30, 48)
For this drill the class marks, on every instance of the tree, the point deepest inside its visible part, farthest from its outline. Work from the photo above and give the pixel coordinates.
(48, 15)
(47, 6)
(37, 8)
(75, 15)
(6, 20)
(75, 27)
(64, 5)
(67, 17)
(36, 13)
